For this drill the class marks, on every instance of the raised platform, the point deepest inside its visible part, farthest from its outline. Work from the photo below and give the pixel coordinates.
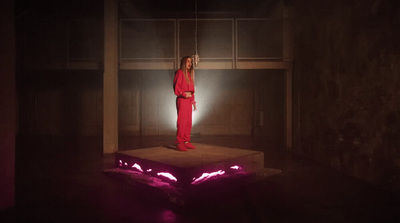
(181, 172)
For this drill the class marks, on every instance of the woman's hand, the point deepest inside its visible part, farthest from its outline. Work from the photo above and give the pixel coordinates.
(194, 107)
(188, 94)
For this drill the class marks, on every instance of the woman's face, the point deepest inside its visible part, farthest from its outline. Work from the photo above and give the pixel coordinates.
(188, 63)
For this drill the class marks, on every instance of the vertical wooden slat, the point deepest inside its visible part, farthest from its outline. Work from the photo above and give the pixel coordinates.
(288, 57)
(110, 119)
(7, 105)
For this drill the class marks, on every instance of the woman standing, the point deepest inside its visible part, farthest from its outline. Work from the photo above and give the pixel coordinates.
(184, 90)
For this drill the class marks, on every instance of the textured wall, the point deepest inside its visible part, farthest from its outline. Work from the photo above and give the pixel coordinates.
(347, 66)
(60, 83)
(7, 105)
(62, 102)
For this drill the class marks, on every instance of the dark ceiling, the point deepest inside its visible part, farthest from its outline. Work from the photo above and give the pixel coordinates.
(73, 9)
(187, 8)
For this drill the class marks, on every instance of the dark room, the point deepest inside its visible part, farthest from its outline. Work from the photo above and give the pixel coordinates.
(197, 111)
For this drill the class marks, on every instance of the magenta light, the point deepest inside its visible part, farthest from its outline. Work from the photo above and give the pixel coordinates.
(167, 175)
(126, 164)
(236, 167)
(168, 216)
(149, 170)
(136, 166)
(206, 176)
(120, 163)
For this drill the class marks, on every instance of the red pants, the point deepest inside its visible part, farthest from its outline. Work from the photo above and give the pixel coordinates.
(184, 124)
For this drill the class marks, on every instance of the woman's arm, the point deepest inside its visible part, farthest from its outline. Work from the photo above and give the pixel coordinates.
(178, 80)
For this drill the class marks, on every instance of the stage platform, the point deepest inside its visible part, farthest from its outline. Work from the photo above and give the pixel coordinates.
(179, 174)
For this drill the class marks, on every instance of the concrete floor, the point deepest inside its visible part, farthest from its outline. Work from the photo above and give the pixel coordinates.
(60, 179)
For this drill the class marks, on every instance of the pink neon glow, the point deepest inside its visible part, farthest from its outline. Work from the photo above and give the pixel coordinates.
(206, 176)
(136, 166)
(149, 170)
(120, 161)
(236, 167)
(167, 175)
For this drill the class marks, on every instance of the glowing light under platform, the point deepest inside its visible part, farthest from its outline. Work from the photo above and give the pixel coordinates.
(206, 176)
(201, 179)
(236, 167)
(136, 166)
(167, 175)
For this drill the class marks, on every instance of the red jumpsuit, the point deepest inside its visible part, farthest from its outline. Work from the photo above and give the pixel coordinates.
(183, 106)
